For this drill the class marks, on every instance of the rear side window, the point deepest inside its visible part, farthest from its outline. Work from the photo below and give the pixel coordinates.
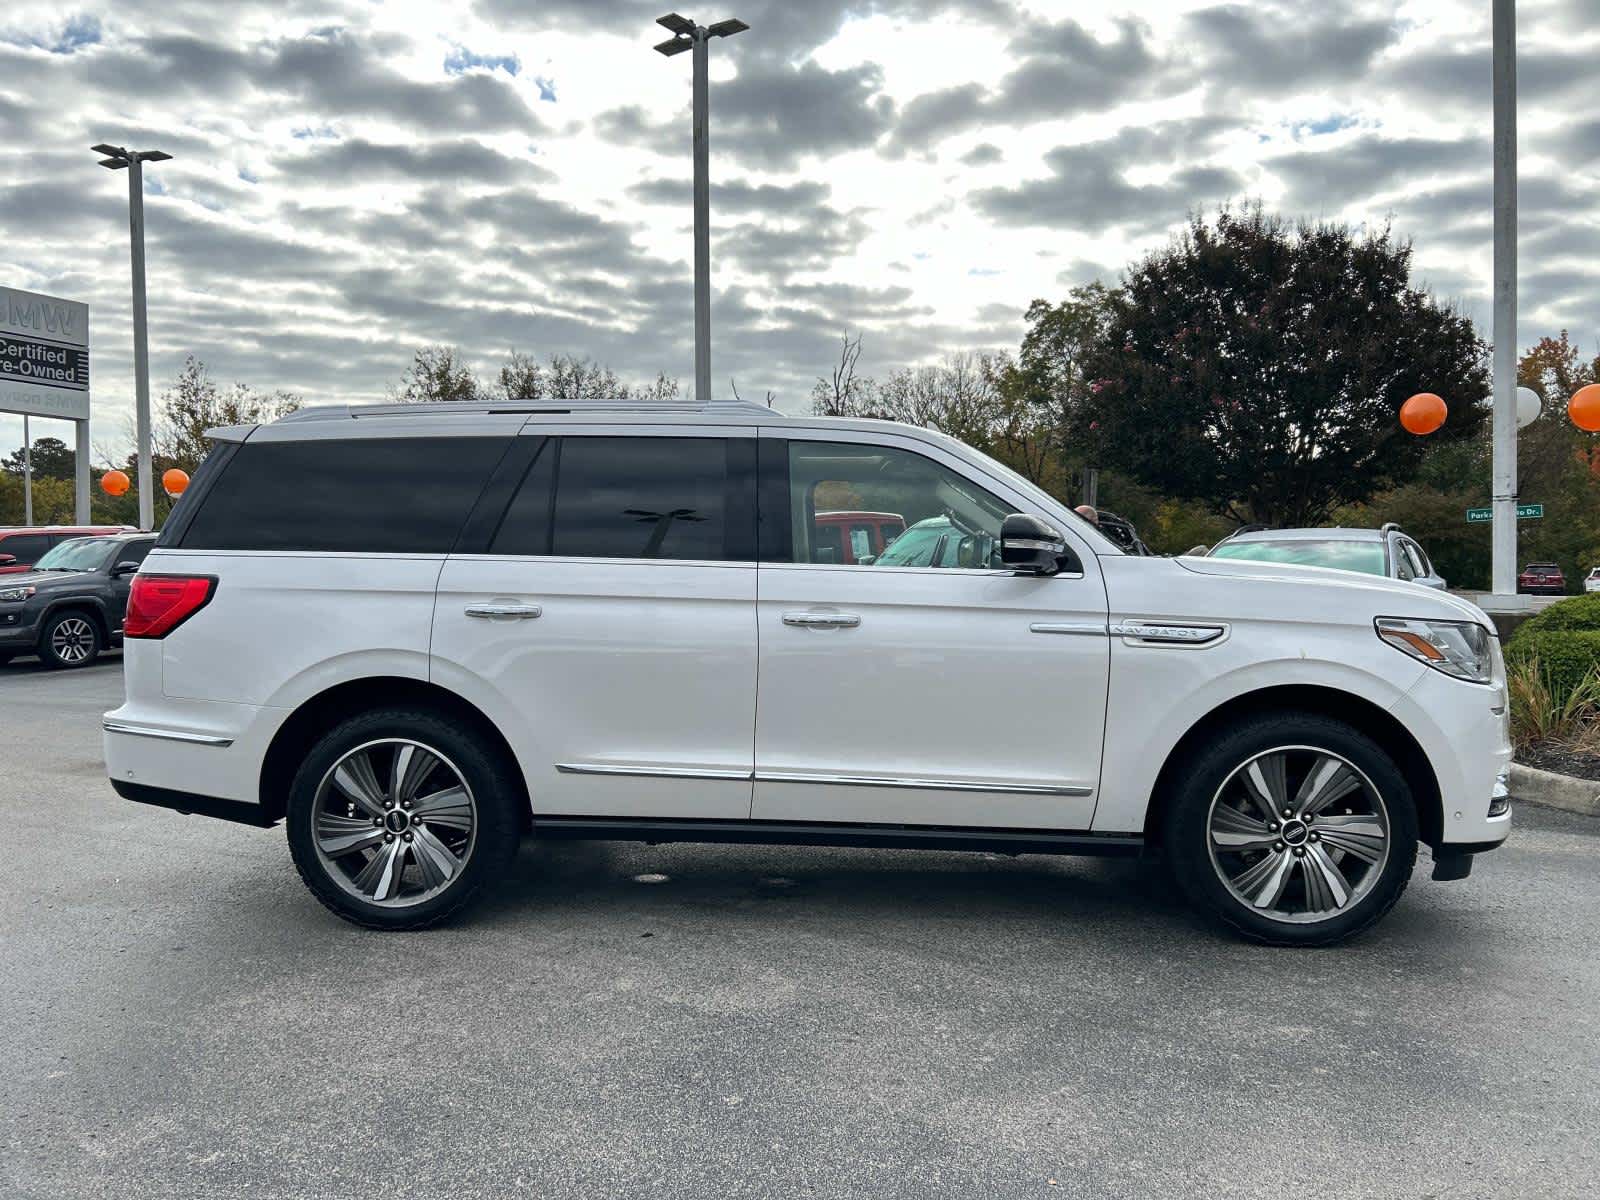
(346, 495)
(25, 547)
(636, 497)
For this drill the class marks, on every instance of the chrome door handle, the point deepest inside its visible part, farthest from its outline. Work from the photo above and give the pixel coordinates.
(810, 620)
(519, 612)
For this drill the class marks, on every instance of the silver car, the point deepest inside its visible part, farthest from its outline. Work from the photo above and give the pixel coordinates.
(1387, 551)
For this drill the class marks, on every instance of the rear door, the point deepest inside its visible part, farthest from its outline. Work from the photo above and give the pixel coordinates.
(608, 622)
(948, 693)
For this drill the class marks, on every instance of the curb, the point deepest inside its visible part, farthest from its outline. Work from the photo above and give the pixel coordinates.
(1533, 786)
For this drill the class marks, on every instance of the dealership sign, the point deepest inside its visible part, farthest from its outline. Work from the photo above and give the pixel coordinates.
(44, 355)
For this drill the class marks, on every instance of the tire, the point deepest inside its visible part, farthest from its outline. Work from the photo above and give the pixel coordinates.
(1281, 882)
(70, 639)
(349, 824)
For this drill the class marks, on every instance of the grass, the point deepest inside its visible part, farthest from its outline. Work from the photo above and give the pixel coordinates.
(1542, 712)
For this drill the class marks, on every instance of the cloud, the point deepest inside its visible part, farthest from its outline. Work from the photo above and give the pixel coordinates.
(1328, 180)
(459, 159)
(61, 37)
(1088, 190)
(1268, 48)
(737, 196)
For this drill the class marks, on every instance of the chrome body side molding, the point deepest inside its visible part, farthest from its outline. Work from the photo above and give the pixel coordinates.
(170, 735)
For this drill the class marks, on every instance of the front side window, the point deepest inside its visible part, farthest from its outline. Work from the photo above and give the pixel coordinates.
(132, 552)
(393, 495)
(948, 520)
(635, 497)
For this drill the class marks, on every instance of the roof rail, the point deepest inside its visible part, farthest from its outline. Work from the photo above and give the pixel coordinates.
(1389, 527)
(332, 412)
(1244, 529)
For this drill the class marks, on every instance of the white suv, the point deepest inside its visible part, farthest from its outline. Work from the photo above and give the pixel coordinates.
(421, 633)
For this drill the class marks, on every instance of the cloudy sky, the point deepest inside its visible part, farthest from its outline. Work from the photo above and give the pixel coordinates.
(353, 179)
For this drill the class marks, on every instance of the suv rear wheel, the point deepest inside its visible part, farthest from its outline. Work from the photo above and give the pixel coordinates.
(70, 639)
(400, 817)
(1296, 829)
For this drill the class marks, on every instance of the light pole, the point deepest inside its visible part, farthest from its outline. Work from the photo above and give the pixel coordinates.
(117, 159)
(1503, 495)
(689, 36)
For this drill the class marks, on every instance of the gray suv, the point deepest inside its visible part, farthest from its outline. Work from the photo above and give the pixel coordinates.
(69, 607)
(1387, 551)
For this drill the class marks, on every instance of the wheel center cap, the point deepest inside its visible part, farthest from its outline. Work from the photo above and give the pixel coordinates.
(396, 820)
(1294, 832)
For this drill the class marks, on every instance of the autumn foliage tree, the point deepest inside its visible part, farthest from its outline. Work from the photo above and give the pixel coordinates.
(1258, 367)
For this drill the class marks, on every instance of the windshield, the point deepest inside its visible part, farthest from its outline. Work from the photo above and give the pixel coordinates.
(79, 554)
(1343, 554)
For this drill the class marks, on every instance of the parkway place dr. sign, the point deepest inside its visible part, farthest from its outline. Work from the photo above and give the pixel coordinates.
(44, 355)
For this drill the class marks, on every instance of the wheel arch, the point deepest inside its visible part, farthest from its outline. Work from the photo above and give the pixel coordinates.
(89, 606)
(315, 715)
(1353, 710)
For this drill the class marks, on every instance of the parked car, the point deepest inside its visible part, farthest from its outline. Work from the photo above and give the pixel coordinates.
(614, 620)
(941, 542)
(24, 545)
(69, 607)
(855, 537)
(1387, 551)
(1591, 581)
(1543, 579)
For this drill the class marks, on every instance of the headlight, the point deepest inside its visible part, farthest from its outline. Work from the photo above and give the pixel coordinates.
(1459, 648)
(16, 594)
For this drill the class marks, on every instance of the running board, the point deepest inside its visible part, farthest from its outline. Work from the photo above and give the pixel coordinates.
(785, 833)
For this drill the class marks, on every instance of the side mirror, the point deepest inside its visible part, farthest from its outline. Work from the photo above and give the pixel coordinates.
(127, 567)
(1030, 547)
(8, 560)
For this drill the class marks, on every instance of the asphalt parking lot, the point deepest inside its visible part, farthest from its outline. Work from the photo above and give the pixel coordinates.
(178, 1017)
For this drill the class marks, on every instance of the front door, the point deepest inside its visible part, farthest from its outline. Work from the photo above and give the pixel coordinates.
(931, 687)
(610, 626)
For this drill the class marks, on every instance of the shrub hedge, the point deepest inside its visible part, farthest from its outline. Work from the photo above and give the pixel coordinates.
(1564, 639)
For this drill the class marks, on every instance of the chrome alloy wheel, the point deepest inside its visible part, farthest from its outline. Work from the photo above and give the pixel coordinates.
(1298, 834)
(394, 822)
(72, 639)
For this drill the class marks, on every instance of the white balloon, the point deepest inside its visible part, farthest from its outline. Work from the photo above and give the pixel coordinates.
(1529, 406)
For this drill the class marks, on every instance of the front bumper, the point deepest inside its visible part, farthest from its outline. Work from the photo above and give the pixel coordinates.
(19, 629)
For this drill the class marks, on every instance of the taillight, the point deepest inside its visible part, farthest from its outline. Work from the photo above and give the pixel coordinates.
(158, 604)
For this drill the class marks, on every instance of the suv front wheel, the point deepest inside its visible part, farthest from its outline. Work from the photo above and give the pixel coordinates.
(1295, 829)
(69, 639)
(400, 817)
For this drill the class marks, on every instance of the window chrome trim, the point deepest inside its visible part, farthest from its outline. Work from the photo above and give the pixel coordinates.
(171, 735)
(1076, 628)
(738, 774)
(937, 785)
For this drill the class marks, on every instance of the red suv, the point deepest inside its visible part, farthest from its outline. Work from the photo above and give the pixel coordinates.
(854, 538)
(1542, 579)
(23, 546)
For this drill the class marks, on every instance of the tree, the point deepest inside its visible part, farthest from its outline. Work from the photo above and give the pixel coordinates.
(436, 373)
(1259, 367)
(52, 459)
(843, 393)
(195, 403)
(573, 377)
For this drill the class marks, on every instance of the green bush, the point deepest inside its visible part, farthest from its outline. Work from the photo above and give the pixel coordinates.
(1578, 612)
(1566, 648)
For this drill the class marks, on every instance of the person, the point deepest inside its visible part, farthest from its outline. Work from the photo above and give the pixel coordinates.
(1087, 512)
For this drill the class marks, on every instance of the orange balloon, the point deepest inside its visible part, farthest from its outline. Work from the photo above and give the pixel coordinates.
(114, 483)
(1584, 408)
(174, 481)
(1423, 413)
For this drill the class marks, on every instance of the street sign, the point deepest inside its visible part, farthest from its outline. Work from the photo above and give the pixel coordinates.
(44, 355)
(1525, 512)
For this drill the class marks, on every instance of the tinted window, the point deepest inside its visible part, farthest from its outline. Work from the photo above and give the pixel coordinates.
(957, 523)
(26, 547)
(636, 497)
(134, 552)
(381, 495)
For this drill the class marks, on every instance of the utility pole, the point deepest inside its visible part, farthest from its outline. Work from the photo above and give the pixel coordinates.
(27, 473)
(689, 36)
(1504, 493)
(117, 159)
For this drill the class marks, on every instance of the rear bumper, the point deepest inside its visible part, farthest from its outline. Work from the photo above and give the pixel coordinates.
(190, 803)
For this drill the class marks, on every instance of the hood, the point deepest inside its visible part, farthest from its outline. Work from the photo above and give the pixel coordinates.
(42, 580)
(1385, 596)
